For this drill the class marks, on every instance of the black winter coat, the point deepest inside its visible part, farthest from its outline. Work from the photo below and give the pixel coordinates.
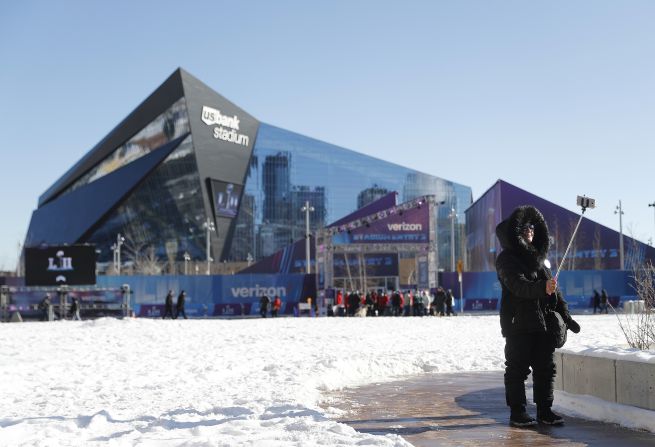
(181, 299)
(523, 275)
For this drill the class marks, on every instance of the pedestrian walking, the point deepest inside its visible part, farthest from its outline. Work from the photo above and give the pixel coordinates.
(277, 303)
(264, 301)
(604, 301)
(46, 308)
(528, 292)
(596, 300)
(181, 300)
(440, 301)
(168, 305)
(450, 303)
(75, 309)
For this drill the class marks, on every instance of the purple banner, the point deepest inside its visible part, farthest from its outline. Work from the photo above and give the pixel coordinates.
(377, 264)
(409, 226)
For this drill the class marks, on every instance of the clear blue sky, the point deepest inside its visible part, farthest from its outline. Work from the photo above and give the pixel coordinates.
(557, 98)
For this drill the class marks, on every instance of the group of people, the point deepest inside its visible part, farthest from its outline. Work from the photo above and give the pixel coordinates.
(47, 311)
(394, 303)
(179, 306)
(600, 301)
(265, 302)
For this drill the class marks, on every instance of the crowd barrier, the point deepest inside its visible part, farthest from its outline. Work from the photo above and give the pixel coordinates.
(25, 303)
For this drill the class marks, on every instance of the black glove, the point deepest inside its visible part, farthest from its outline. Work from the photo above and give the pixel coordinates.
(573, 326)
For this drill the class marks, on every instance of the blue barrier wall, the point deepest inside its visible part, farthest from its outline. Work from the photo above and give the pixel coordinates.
(214, 295)
(482, 290)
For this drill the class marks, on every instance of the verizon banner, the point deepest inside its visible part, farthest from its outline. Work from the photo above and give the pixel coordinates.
(410, 227)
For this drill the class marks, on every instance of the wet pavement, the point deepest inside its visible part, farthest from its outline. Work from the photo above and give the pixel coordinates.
(465, 409)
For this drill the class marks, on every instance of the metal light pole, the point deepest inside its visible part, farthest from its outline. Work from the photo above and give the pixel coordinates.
(307, 209)
(187, 258)
(452, 216)
(436, 239)
(117, 253)
(619, 211)
(209, 226)
(653, 205)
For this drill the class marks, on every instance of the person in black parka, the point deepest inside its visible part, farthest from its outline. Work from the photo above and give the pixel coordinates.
(528, 292)
(168, 305)
(181, 299)
(45, 307)
(264, 302)
(440, 301)
(603, 301)
(596, 300)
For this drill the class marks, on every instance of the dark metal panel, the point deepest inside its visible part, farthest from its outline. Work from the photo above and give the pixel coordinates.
(65, 220)
(223, 138)
(153, 105)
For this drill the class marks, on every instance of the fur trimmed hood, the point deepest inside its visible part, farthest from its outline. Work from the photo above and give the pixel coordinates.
(509, 233)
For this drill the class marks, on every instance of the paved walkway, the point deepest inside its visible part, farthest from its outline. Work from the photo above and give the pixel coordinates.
(466, 409)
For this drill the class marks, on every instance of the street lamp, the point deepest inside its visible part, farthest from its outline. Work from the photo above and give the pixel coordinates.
(117, 253)
(307, 209)
(187, 258)
(452, 217)
(653, 205)
(619, 211)
(209, 226)
(436, 239)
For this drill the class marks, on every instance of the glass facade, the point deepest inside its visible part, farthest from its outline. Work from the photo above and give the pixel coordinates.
(171, 124)
(288, 169)
(158, 201)
(163, 218)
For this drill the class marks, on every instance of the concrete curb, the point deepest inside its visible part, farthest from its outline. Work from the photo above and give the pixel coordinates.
(620, 381)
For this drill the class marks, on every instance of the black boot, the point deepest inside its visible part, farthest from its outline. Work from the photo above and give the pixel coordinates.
(520, 418)
(546, 416)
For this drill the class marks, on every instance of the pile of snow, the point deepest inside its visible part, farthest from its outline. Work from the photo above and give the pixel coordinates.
(228, 382)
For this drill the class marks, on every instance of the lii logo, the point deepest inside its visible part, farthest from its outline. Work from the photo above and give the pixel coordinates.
(226, 126)
(61, 263)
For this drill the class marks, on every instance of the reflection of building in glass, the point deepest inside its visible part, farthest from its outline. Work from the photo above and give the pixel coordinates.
(160, 175)
(370, 195)
(277, 187)
(245, 230)
(594, 247)
(316, 198)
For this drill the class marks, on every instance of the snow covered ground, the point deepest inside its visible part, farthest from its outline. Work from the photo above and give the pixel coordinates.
(250, 382)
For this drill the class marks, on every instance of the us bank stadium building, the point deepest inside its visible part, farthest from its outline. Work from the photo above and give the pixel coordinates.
(188, 173)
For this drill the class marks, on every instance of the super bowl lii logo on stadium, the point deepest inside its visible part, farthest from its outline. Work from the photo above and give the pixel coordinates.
(226, 126)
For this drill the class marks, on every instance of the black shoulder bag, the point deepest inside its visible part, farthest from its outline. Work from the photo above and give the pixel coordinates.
(556, 328)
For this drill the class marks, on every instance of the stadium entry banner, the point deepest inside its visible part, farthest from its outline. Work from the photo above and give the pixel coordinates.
(408, 227)
(377, 264)
(57, 265)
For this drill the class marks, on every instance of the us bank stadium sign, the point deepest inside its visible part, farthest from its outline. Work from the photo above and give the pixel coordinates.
(227, 127)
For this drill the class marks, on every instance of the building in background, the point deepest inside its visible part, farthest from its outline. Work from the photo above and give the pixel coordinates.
(188, 165)
(595, 246)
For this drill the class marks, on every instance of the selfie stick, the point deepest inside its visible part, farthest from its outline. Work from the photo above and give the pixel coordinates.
(584, 202)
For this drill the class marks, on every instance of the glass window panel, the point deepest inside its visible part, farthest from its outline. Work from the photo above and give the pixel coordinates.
(171, 124)
(166, 213)
(288, 169)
